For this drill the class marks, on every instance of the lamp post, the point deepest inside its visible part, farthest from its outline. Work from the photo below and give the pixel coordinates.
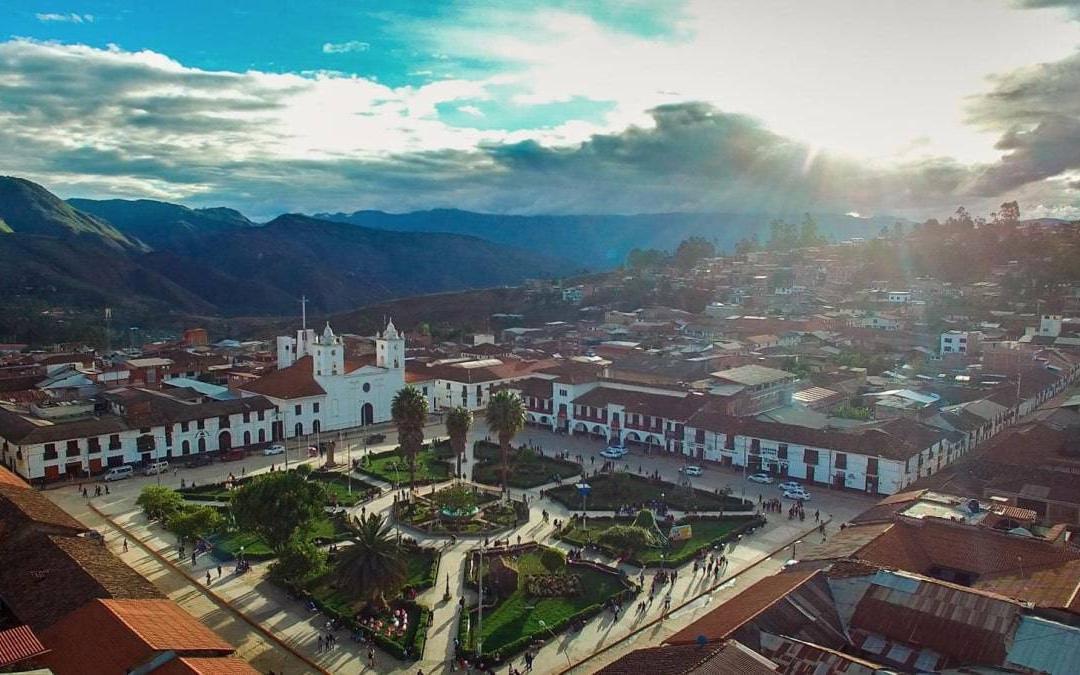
(793, 545)
(480, 608)
(543, 624)
(583, 490)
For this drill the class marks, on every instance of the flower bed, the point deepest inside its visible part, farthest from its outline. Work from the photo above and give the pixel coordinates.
(553, 585)
(707, 532)
(614, 491)
(493, 515)
(513, 623)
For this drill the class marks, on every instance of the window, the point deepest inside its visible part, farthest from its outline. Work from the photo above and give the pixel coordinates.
(72, 448)
(315, 407)
(262, 415)
(184, 426)
(729, 441)
(562, 392)
(247, 417)
(872, 466)
(781, 451)
(114, 442)
(93, 444)
(223, 422)
(50, 451)
(201, 424)
(299, 409)
(841, 461)
(367, 387)
(810, 456)
(699, 436)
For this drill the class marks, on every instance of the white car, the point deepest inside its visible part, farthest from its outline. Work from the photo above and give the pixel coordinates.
(274, 450)
(790, 486)
(690, 470)
(798, 495)
(760, 478)
(614, 452)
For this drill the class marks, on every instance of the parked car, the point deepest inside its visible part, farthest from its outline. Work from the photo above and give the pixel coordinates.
(760, 477)
(198, 460)
(691, 470)
(274, 450)
(790, 485)
(375, 439)
(119, 473)
(798, 495)
(614, 452)
(154, 468)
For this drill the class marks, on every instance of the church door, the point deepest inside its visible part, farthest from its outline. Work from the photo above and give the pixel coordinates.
(367, 414)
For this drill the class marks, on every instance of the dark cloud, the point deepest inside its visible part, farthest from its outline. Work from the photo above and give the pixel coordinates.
(94, 123)
(1037, 112)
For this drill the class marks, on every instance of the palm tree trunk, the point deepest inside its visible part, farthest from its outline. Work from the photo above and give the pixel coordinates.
(504, 452)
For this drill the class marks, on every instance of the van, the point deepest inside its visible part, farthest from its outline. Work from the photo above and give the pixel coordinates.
(156, 468)
(119, 473)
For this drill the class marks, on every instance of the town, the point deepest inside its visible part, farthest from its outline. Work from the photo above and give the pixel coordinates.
(800, 456)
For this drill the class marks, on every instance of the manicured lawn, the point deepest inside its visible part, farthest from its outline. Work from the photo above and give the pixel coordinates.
(392, 468)
(706, 532)
(613, 491)
(211, 492)
(527, 469)
(337, 488)
(515, 622)
(227, 544)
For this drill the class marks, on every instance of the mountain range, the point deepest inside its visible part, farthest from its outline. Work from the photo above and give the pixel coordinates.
(156, 259)
(601, 242)
(162, 258)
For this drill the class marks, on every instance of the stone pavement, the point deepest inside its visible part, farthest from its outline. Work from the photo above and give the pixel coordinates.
(292, 647)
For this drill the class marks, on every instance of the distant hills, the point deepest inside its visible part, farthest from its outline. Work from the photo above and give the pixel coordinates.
(157, 258)
(602, 241)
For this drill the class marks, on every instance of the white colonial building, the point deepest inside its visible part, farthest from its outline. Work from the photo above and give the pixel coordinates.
(318, 390)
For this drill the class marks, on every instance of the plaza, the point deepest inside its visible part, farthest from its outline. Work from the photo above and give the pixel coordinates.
(287, 632)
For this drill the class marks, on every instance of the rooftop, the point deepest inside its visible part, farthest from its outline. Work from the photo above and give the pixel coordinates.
(753, 375)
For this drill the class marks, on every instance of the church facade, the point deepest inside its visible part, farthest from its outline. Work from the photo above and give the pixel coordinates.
(317, 390)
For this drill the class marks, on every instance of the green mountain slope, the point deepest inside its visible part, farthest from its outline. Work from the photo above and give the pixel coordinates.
(161, 225)
(29, 209)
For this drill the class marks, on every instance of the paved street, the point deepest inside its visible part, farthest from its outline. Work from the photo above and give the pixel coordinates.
(295, 630)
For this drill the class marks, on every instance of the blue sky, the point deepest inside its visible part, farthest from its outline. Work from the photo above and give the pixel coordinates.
(547, 106)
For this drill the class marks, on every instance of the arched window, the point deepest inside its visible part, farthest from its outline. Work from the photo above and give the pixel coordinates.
(315, 427)
(299, 429)
(247, 438)
(225, 441)
(202, 445)
(185, 448)
(262, 435)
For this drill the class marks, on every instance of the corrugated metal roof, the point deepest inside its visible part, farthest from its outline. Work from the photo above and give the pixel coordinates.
(18, 644)
(1046, 646)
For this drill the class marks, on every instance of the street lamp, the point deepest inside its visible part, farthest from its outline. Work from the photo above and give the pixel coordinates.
(543, 624)
(793, 545)
(583, 490)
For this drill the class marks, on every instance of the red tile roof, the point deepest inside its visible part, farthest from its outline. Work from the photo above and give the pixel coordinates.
(116, 635)
(9, 478)
(296, 381)
(678, 407)
(18, 644)
(196, 665)
(744, 607)
(718, 657)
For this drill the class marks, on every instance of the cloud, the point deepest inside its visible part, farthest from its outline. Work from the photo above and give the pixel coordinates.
(345, 47)
(65, 18)
(471, 110)
(1036, 112)
(109, 122)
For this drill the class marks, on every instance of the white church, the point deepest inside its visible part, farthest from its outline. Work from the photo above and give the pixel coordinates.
(317, 390)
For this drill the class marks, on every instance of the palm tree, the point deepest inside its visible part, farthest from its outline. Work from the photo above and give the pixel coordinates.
(373, 567)
(505, 417)
(409, 411)
(458, 422)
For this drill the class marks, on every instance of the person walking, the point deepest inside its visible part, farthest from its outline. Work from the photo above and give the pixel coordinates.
(125, 545)
(219, 571)
(207, 577)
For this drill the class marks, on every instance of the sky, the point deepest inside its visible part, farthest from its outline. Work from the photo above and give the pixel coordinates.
(900, 107)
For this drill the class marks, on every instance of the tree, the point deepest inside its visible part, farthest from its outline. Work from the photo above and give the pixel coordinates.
(300, 560)
(194, 522)
(808, 233)
(458, 422)
(783, 236)
(505, 417)
(373, 566)
(693, 250)
(747, 245)
(159, 502)
(279, 506)
(409, 411)
(645, 258)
